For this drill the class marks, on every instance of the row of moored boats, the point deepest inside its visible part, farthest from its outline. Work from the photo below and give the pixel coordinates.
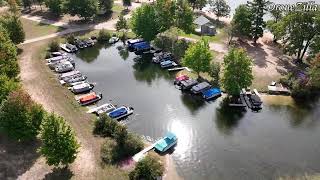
(64, 66)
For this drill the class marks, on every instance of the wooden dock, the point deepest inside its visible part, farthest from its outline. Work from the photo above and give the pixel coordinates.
(137, 157)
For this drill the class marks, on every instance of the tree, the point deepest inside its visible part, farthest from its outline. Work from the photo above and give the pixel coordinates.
(106, 5)
(14, 28)
(184, 17)
(165, 14)
(314, 73)
(83, 8)
(59, 144)
(298, 30)
(237, 72)
(7, 85)
(20, 117)
(214, 72)
(8, 55)
(126, 3)
(276, 15)
(220, 8)
(144, 22)
(198, 57)
(122, 24)
(241, 22)
(103, 35)
(26, 3)
(147, 168)
(13, 7)
(258, 9)
(197, 4)
(55, 6)
(120, 134)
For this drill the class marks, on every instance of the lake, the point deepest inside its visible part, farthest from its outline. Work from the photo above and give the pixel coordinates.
(215, 142)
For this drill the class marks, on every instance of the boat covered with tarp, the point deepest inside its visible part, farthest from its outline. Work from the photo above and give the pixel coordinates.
(90, 99)
(211, 93)
(120, 112)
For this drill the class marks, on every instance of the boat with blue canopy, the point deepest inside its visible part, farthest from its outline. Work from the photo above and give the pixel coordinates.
(211, 93)
(132, 42)
(166, 143)
(120, 112)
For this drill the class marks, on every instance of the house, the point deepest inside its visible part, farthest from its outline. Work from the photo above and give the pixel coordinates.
(204, 26)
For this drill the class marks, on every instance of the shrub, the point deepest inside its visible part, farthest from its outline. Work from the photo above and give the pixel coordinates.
(54, 46)
(103, 35)
(6, 86)
(20, 117)
(109, 151)
(71, 39)
(133, 144)
(148, 168)
(105, 126)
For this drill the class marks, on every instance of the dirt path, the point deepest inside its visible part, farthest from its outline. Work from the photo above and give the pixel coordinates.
(44, 89)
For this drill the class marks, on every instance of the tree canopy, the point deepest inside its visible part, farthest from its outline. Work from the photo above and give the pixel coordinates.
(14, 28)
(83, 8)
(197, 4)
(122, 23)
(237, 72)
(220, 8)
(258, 9)
(20, 117)
(198, 57)
(144, 22)
(59, 144)
(241, 22)
(298, 30)
(8, 55)
(147, 168)
(55, 6)
(6, 86)
(184, 16)
(106, 5)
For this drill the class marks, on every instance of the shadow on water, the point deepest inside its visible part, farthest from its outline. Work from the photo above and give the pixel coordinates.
(123, 52)
(16, 157)
(59, 174)
(194, 104)
(90, 54)
(145, 71)
(227, 118)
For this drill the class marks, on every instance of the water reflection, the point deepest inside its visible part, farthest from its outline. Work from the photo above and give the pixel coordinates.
(146, 71)
(227, 118)
(123, 52)
(90, 54)
(193, 103)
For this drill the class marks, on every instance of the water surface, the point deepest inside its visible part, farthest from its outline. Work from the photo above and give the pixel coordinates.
(215, 142)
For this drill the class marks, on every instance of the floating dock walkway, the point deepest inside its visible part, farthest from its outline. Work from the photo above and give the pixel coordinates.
(179, 69)
(137, 157)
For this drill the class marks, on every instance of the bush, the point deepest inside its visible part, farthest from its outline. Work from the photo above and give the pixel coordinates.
(109, 151)
(133, 144)
(54, 46)
(105, 126)
(6, 86)
(148, 168)
(103, 35)
(20, 117)
(71, 39)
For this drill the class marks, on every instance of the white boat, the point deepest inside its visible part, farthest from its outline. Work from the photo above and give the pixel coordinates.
(81, 88)
(57, 58)
(105, 108)
(73, 80)
(113, 40)
(68, 48)
(69, 74)
(120, 112)
(58, 63)
(58, 53)
(65, 67)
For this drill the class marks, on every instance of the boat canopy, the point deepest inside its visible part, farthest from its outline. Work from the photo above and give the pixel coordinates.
(88, 97)
(167, 141)
(134, 41)
(212, 92)
(118, 112)
(166, 62)
(141, 45)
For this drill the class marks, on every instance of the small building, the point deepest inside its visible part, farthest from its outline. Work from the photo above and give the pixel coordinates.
(204, 26)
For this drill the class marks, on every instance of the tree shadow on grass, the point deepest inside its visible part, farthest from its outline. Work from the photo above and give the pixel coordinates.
(59, 174)
(16, 157)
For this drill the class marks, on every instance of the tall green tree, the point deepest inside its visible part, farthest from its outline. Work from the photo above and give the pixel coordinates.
(8, 55)
(220, 8)
(6, 86)
(55, 6)
(144, 22)
(84, 8)
(122, 24)
(106, 5)
(298, 30)
(184, 16)
(258, 10)
(241, 22)
(14, 28)
(198, 57)
(20, 117)
(237, 72)
(165, 14)
(197, 4)
(147, 168)
(59, 144)
(314, 73)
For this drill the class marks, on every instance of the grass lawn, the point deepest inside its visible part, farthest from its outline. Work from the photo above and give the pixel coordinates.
(35, 29)
(117, 8)
(222, 35)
